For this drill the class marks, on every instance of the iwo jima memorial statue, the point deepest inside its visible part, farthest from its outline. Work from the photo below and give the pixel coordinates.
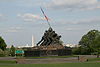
(49, 45)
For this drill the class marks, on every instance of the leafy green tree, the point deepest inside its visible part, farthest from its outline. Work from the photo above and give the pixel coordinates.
(1, 53)
(90, 41)
(80, 51)
(2, 44)
(12, 50)
(96, 45)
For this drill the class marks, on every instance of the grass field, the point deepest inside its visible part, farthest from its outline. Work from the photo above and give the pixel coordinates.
(54, 65)
(94, 59)
(7, 62)
(91, 63)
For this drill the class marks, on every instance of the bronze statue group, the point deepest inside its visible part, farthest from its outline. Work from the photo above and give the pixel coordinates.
(49, 38)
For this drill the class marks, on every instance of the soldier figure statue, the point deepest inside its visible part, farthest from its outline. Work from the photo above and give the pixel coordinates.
(49, 38)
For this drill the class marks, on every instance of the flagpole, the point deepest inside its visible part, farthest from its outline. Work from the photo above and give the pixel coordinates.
(46, 17)
(48, 23)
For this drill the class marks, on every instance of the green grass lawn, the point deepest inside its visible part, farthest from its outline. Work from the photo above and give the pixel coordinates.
(7, 62)
(94, 59)
(54, 65)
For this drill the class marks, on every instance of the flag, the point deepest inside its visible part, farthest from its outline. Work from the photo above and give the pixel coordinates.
(44, 14)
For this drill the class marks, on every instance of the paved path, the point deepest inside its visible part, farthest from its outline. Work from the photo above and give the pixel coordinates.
(47, 60)
(7, 58)
(53, 60)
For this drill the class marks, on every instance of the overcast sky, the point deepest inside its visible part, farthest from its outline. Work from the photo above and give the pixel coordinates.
(20, 19)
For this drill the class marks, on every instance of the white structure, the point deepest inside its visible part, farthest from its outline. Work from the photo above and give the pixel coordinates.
(33, 41)
(72, 45)
(27, 45)
(24, 46)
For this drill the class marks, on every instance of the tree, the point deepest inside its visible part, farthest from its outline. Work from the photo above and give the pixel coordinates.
(80, 51)
(1, 53)
(96, 45)
(4, 53)
(2, 44)
(89, 41)
(12, 50)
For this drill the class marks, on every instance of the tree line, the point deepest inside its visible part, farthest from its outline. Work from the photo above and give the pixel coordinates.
(89, 44)
(4, 51)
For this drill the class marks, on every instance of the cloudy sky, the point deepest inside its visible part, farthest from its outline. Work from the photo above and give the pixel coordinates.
(20, 19)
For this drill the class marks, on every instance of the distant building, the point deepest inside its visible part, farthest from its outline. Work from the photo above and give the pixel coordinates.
(72, 45)
(27, 45)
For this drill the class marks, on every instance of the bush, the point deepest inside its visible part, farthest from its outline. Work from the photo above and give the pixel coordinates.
(4, 53)
(1, 53)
